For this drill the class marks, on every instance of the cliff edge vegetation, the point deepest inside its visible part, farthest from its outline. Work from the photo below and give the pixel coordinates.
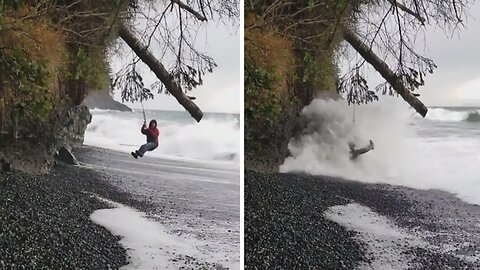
(53, 52)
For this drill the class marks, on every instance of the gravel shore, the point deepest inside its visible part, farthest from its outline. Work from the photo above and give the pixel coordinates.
(45, 220)
(285, 226)
(45, 224)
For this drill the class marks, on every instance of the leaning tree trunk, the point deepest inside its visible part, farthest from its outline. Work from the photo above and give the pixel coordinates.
(162, 74)
(382, 67)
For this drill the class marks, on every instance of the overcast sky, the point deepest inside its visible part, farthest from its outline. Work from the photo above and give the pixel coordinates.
(220, 91)
(456, 81)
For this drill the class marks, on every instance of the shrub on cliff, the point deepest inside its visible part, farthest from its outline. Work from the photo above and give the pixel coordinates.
(289, 55)
(51, 53)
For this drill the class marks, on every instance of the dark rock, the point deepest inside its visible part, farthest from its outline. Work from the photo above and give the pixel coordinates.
(66, 156)
(4, 165)
(34, 151)
(268, 151)
(102, 100)
(266, 142)
(75, 122)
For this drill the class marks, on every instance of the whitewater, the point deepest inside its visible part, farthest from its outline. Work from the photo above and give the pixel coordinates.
(440, 151)
(215, 139)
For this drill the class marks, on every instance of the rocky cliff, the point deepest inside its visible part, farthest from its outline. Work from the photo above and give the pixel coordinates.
(103, 100)
(47, 70)
(287, 65)
(34, 152)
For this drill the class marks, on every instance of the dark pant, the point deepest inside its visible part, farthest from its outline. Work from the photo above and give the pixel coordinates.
(355, 153)
(146, 147)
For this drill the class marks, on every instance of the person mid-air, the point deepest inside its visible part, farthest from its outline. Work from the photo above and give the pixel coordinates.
(152, 139)
(354, 153)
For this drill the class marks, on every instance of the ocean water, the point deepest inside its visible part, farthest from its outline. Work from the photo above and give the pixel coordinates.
(215, 139)
(440, 151)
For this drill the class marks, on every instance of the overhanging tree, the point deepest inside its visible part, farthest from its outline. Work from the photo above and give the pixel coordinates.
(52, 52)
(392, 29)
(172, 26)
(384, 33)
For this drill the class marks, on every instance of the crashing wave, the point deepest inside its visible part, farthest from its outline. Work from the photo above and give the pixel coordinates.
(440, 114)
(215, 138)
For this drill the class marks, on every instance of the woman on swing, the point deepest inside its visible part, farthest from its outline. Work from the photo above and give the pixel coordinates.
(152, 139)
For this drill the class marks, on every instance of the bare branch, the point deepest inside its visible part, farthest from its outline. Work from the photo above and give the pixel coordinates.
(190, 10)
(407, 10)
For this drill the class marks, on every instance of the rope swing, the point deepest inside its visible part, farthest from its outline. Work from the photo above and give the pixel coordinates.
(353, 118)
(143, 110)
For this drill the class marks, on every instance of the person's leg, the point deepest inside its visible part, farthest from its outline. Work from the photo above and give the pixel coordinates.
(152, 146)
(142, 150)
(146, 147)
(361, 151)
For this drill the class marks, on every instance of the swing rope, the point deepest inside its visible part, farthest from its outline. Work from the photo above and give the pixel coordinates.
(143, 110)
(353, 114)
(356, 68)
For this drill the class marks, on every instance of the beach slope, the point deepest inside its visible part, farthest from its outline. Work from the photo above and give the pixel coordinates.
(313, 222)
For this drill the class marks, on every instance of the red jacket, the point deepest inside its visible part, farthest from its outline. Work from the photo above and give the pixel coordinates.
(152, 134)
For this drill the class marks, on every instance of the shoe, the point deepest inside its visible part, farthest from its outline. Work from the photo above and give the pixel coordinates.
(138, 154)
(135, 155)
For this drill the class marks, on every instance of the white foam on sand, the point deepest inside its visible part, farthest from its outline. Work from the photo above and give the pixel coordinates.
(149, 245)
(385, 241)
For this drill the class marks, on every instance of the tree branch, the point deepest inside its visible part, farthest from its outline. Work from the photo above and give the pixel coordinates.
(191, 10)
(162, 74)
(364, 50)
(407, 10)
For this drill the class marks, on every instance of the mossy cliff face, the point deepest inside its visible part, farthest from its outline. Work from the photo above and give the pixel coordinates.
(51, 54)
(289, 60)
